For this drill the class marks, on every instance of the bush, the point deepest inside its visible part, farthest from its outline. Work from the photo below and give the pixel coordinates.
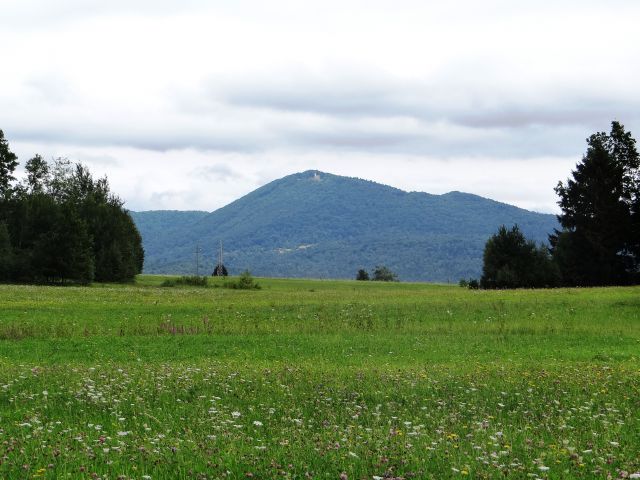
(193, 281)
(244, 282)
(362, 275)
(463, 283)
(473, 284)
(383, 274)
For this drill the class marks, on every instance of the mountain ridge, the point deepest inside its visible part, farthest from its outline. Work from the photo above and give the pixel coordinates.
(349, 222)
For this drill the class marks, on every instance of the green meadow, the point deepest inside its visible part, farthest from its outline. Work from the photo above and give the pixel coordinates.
(318, 379)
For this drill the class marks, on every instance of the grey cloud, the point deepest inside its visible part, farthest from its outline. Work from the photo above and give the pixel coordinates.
(154, 138)
(359, 111)
(217, 172)
(441, 99)
(354, 97)
(569, 111)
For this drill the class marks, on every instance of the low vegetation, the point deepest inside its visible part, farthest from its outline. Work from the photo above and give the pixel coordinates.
(318, 379)
(193, 281)
(243, 282)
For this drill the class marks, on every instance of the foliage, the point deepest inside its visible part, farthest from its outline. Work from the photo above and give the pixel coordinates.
(464, 283)
(8, 164)
(473, 284)
(599, 243)
(244, 282)
(383, 274)
(192, 281)
(64, 226)
(37, 174)
(329, 227)
(510, 261)
(362, 275)
(6, 253)
(313, 379)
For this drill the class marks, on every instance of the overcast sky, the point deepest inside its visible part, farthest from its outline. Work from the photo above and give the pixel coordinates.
(189, 105)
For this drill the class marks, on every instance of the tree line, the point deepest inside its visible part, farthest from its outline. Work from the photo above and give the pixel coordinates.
(60, 225)
(599, 239)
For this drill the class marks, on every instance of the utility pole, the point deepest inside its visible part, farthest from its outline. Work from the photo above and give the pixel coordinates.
(220, 271)
(220, 257)
(198, 260)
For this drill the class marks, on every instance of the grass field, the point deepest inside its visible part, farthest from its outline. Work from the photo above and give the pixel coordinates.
(318, 379)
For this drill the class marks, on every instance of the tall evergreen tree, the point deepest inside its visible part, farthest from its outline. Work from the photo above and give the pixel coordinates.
(598, 244)
(8, 164)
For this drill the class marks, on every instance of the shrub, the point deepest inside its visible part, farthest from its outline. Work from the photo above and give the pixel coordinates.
(383, 274)
(362, 275)
(193, 281)
(244, 282)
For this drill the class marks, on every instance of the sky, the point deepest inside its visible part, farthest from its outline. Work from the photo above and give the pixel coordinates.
(190, 105)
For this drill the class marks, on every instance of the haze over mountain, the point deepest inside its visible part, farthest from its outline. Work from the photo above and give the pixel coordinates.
(315, 224)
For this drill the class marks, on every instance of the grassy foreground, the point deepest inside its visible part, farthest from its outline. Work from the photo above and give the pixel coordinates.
(318, 379)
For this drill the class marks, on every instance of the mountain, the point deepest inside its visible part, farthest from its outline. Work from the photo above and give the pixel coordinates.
(315, 224)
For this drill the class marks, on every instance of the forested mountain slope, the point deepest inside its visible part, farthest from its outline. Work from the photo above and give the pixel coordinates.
(315, 224)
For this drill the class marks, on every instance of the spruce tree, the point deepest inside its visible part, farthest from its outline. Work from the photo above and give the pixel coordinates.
(598, 243)
(8, 164)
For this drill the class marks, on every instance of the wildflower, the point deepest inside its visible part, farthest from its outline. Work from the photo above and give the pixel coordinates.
(542, 468)
(257, 423)
(235, 414)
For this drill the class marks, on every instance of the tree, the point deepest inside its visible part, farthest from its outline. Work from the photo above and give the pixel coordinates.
(599, 243)
(362, 275)
(64, 253)
(60, 225)
(37, 174)
(511, 261)
(6, 253)
(8, 164)
(383, 274)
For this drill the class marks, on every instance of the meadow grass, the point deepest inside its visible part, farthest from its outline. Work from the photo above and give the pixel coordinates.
(318, 379)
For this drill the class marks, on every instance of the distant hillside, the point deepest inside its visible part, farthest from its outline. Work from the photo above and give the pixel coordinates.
(315, 224)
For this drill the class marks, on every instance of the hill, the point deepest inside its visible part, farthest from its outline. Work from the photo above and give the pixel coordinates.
(315, 224)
